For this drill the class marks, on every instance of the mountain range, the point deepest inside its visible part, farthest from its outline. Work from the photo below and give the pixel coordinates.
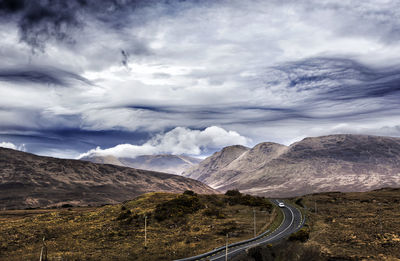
(317, 164)
(167, 163)
(27, 180)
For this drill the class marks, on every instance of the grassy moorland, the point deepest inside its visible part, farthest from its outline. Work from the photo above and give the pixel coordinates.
(179, 225)
(356, 226)
(342, 226)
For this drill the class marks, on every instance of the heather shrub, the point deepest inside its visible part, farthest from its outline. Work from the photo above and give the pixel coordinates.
(177, 207)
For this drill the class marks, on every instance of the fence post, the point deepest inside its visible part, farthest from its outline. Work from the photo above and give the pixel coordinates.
(43, 252)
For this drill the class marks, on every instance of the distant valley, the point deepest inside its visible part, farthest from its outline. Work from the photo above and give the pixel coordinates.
(319, 164)
(175, 164)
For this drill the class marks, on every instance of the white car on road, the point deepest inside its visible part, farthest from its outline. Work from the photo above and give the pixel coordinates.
(281, 205)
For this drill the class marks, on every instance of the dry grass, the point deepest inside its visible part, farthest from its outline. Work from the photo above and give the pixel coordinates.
(356, 226)
(98, 234)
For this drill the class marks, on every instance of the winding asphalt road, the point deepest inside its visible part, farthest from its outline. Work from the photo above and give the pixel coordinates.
(292, 222)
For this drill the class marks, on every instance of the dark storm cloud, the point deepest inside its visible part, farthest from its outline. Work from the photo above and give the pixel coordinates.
(180, 109)
(39, 21)
(339, 79)
(125, 58)
(41, 76)
(42, 20)
(152, 108)
(12, 6)
(226, 114)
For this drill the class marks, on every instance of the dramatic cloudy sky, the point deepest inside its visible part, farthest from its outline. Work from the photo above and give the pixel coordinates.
(128, 77)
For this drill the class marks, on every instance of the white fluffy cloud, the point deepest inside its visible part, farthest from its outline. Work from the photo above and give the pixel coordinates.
(177, 141)
(8, 145)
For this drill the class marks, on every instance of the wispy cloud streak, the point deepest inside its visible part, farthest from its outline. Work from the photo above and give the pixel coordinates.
(41, 76)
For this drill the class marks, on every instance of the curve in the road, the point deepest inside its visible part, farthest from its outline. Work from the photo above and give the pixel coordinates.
(292, 221)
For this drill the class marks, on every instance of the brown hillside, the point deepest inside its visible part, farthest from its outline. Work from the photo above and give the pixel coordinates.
(208, 167)
(330, 163)
(27, 180)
